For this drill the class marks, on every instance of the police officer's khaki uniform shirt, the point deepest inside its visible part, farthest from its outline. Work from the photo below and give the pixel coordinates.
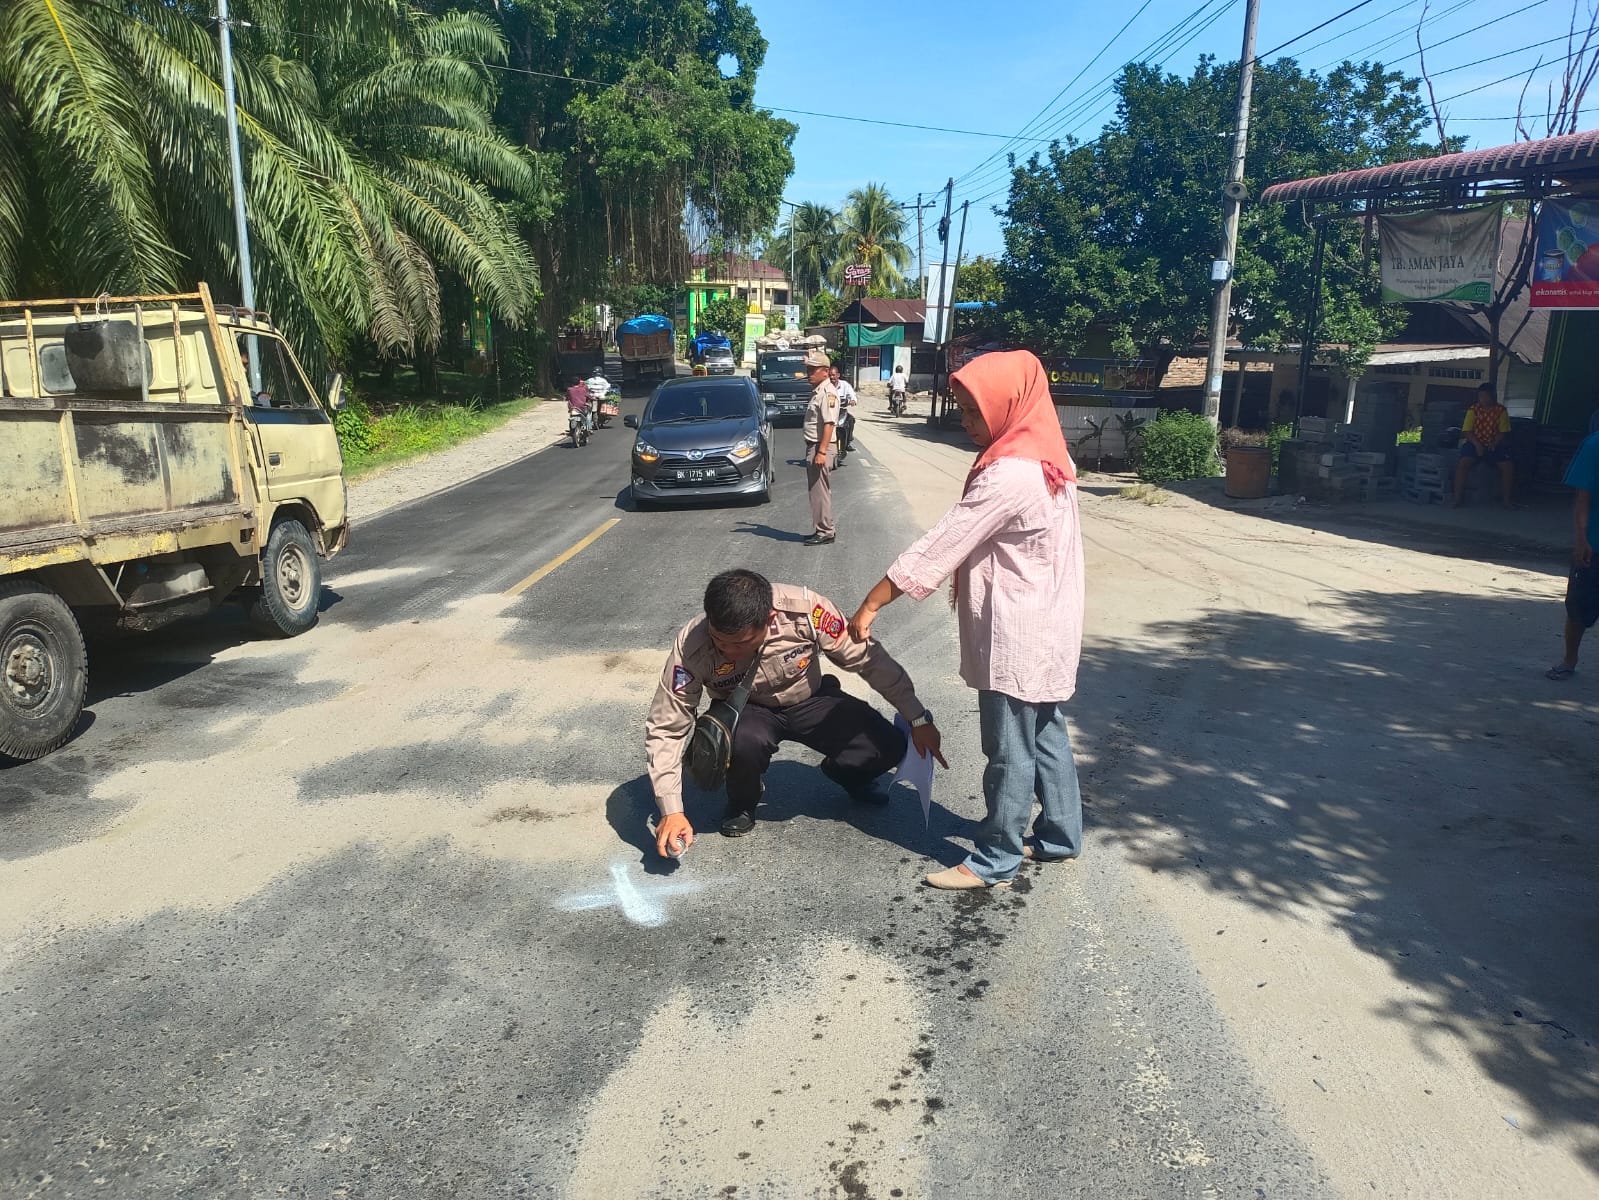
(806, 627)
(821, 412)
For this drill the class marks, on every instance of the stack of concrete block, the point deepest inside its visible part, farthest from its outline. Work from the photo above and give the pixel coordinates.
(1437, 419)
(1376, 480)
(1317, 429)
(1427, 477)
(1377, 424)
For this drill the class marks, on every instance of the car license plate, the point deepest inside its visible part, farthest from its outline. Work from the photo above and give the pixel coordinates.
(696, 474)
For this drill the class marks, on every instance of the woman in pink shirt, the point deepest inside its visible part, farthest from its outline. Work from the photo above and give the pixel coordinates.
(1014, 546)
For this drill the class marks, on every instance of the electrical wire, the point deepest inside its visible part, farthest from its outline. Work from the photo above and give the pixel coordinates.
(802, 112)
(1314, 29)
(1078, 110)
(1072, 82)
(991, 178)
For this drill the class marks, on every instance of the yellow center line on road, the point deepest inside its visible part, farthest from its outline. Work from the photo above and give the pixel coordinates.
(565, 556)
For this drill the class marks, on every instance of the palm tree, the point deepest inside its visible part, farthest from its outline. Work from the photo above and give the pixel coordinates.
(371, 163)
(812, 230)
(870, 232)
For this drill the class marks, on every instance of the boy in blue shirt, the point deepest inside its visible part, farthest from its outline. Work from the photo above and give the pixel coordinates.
(1582, 590)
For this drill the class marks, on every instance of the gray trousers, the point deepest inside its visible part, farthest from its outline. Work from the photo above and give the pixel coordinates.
(819, 486)
(1029, 754)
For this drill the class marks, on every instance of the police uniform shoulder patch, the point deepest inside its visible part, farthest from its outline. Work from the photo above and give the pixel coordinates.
(827, 621)
(723, 670)
(682, 680)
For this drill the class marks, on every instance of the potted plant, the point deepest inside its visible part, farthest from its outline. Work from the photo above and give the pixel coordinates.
(1247, 453)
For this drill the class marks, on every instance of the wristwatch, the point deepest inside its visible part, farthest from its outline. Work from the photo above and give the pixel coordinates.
(925, 719)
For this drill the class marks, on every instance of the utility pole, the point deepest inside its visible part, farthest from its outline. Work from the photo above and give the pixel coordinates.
(1233, 193)
(241, 225)
(921, 256)
(938, 304)
(954, 286)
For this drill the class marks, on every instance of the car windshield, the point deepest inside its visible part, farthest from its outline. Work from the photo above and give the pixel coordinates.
(700, 404)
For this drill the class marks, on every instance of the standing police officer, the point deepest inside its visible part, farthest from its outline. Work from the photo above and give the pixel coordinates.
(776, 636)
(821, 427)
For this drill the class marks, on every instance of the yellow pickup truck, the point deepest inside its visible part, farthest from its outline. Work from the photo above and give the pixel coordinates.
(158, 456)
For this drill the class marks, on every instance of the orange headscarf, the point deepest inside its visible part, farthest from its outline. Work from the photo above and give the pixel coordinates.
(1012, 393)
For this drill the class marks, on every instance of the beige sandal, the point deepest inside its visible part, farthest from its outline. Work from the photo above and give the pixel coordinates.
(961, 879)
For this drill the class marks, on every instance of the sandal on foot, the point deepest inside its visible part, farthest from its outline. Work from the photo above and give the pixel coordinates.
(953, 879)
(1559, 671)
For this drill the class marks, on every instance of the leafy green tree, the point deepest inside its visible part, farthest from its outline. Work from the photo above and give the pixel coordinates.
(724, 315)
(979, 280)
(871, 231)
(812, 229)
(825, 309)
(1117, 234)
(371, 161)
(649, 147)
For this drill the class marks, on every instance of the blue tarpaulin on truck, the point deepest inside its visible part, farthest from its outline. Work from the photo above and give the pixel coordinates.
(710, 341)
(646, 323)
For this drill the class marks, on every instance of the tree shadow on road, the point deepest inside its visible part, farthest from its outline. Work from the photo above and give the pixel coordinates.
(1400, 773)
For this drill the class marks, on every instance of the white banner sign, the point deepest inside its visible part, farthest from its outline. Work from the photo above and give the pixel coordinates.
(1440, 256)
(938, 289)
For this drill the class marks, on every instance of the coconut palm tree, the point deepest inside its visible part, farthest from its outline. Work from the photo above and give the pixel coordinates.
(812, 230)
(871, 232)
(371, 163)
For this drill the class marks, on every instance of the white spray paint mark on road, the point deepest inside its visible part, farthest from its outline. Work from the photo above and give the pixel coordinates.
(638, 903)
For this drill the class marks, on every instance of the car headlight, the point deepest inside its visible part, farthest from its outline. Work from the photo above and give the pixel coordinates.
(645, 452)
(745, 447)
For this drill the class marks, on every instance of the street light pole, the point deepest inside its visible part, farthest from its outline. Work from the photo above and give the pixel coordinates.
(1232, 201)
(241, 225)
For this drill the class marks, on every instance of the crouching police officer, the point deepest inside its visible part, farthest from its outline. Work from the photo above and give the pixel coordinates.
(772, 640)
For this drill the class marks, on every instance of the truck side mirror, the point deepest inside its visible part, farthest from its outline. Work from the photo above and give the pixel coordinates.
(630, 421)
(336, 392)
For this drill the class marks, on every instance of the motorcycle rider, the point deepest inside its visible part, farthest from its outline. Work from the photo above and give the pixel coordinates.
(897, 383)
(577, 404)
(599, 388)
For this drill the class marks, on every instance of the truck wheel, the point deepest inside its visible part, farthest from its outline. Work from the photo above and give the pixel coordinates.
(291, 583)
(44, 670)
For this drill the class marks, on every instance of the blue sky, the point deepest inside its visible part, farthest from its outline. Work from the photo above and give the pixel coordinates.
(989, 68)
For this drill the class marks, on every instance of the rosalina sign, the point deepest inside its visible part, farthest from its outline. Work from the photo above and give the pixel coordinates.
(1439, 256)
(1129, 378)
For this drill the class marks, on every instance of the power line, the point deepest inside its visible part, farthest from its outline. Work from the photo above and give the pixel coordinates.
(1382, 43)
(990, 178)
(1315, 29)
(1071, 83)
(1078, 110)
(1010, 137)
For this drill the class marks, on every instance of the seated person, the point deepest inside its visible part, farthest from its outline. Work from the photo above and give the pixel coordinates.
(1484, 430)
(599, 387)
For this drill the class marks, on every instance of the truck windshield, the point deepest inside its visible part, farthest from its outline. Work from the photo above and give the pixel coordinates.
(700, 404)
(783, 366)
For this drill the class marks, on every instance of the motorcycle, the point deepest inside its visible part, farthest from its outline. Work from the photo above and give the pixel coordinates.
(577, 427)
(896, 404)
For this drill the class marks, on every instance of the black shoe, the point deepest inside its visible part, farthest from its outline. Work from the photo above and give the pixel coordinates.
(737, 824)
(863, 791)
(817, 539)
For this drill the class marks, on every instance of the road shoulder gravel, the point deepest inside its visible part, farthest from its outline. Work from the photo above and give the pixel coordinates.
(403, 483)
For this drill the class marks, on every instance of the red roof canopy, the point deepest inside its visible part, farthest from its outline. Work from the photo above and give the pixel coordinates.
(1573, 155)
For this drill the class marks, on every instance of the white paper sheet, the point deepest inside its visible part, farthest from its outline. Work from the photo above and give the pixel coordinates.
(916, 770)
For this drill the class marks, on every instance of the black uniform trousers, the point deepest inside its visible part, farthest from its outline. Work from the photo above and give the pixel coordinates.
(849, 732)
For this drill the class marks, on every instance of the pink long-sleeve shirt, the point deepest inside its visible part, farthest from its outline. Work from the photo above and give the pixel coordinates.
(1017, 555)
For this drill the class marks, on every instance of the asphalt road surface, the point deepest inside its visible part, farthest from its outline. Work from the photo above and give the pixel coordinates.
(373, 913)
